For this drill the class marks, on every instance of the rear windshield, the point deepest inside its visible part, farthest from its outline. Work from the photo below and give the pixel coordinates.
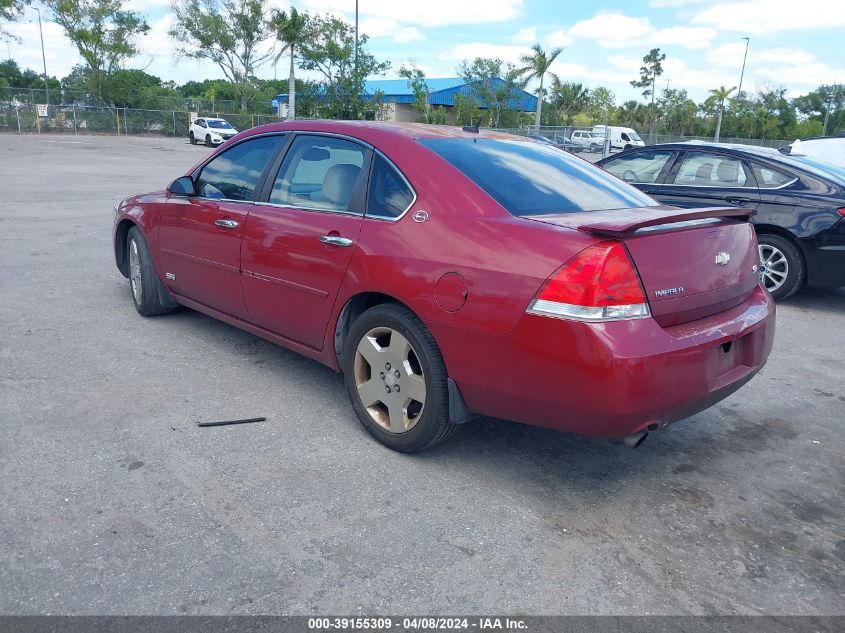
(818, 167)
(536, 179)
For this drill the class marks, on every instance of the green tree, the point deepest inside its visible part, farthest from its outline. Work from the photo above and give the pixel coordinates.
(651, 69)
(416, 80)
(568, 98)
(600, 104)
(493, 84)
(718, 96)
(104, 33)
(825, 104)
(124, 88)
(330, 52)
(292, 30)
(231, 33)
(466, 110)
(536, 66)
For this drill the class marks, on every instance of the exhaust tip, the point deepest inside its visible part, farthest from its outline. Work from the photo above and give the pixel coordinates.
(635, 439)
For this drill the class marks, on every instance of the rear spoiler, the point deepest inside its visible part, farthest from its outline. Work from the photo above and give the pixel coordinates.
(621, 223)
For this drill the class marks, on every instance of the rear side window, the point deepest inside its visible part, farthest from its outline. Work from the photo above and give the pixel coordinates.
(535, 179)
(700, 169)
(769, 178)
(389, 195)
(640, 167)
(234, 174)
(319, 172)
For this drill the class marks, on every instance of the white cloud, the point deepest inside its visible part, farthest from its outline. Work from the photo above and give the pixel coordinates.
(686, 36)
(525, 36)
(484, 49)
(60, 54)
(727, 55)
(431, 13)
(772, 16)
(791, 56)
(613, 30)
(387, 27)
(559, 38)
(662, 4)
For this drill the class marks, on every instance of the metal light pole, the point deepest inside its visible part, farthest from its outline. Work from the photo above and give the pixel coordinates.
(43, 57)
(742, 74)
(829, 104)
(356, 35)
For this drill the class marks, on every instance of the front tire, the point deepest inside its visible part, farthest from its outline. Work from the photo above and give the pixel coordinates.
(396, 379)
(148, 294)
(192, 138)
(208, 140)
(782, 266)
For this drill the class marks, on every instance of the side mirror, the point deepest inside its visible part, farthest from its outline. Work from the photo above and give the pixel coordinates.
(183, 186)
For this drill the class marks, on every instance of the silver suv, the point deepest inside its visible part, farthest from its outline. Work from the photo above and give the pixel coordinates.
(589, 140)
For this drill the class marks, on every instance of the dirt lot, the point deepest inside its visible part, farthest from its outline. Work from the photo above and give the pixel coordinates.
(113, 501)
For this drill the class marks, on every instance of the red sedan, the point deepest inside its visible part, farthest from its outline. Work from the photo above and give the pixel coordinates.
(450, 273)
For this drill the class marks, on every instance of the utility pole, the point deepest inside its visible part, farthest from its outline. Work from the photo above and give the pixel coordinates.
(829, 104)
(356, 36)
(43, 57)
(742, 74)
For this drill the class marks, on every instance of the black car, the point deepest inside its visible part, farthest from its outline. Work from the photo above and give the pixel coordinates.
(800, 202)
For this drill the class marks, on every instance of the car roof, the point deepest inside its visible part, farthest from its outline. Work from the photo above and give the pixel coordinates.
(362, 129)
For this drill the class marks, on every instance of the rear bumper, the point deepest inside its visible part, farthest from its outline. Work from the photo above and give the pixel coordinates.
(825, 256)
(611, 379)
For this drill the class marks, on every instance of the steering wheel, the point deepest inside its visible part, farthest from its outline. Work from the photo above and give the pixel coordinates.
(630, 176)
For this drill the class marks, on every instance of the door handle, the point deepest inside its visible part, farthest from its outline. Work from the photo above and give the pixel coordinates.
(226, 223)
(336, 240)
(740, 202)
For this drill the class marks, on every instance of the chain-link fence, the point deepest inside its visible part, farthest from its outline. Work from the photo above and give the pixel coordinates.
(558, 132)
(80, 98)
(27, 118)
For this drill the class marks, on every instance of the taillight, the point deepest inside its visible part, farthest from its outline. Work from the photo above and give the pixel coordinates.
(598, 284)
(842, 211)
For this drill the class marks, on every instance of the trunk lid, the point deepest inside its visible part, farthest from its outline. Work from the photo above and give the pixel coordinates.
(692, 262)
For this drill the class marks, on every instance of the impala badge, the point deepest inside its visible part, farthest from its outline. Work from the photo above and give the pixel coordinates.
(722, 258)
(668, 292)
(420, 216)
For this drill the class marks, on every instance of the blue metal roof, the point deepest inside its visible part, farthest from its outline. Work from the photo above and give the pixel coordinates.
(442, 91)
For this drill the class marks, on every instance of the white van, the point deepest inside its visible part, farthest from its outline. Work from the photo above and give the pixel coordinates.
(620, 137)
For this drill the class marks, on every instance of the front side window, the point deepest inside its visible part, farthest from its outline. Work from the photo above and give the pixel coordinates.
(319, 172)
(700, 169)
(389, 195)
(625, 137)
(641, 167)
(234, 174)
(535, 179)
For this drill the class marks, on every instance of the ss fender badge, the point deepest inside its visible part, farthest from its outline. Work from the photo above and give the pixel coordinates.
(170, 276)
(668, 292)
(420, 216)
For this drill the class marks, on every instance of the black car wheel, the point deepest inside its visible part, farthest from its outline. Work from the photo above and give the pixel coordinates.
(208, 140)
(191, 138)
(781, 265)
(148, 294)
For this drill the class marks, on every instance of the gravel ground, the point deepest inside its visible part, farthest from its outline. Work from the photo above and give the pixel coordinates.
(112, 500)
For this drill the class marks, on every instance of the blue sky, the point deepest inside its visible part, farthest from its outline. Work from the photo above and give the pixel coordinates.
(793, 44)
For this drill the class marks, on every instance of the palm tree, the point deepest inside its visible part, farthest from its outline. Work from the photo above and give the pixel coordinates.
(719, 95)
(537, 67)
(292, 30)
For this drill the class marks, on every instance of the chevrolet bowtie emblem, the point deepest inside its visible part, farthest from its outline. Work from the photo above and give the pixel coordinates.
(722, 258)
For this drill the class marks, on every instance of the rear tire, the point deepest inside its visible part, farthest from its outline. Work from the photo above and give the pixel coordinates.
(191, 138)
(396, 379)
(148, 293)
(782, 266)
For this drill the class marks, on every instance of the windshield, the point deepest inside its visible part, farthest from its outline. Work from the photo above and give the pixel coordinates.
(220, 124)
(533, 179)
(634, 136)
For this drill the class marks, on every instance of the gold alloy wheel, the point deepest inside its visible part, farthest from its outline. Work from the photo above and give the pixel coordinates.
(135, 272)
(389, 379)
